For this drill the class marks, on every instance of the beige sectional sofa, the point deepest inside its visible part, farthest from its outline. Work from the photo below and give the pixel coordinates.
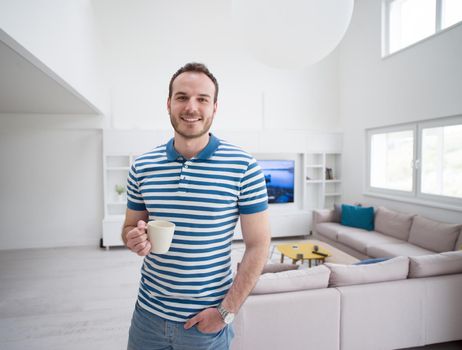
(412, 299)
(399, 303)
(394, 234)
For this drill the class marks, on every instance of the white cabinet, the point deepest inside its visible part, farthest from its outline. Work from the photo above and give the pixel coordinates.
(322, 176)
(284, 224)
(116, 167)
(112, 230)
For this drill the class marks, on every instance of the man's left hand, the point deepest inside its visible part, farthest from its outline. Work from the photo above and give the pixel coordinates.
(207, 321)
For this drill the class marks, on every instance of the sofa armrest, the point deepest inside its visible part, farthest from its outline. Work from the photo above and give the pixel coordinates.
(264, 318)
(323, 215)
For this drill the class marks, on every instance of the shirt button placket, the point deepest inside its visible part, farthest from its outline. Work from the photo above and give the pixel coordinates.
(183, 181)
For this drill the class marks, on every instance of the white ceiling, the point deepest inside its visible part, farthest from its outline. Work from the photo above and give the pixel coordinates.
(28, 86)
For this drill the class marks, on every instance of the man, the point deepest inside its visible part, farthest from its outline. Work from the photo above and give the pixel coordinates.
(187, 297)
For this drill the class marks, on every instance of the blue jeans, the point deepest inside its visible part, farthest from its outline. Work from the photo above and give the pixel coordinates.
(151, 332)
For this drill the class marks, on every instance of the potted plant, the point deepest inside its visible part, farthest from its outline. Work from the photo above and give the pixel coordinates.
(120, 189)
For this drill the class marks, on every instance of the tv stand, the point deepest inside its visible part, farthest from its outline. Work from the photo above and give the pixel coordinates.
(284, 224)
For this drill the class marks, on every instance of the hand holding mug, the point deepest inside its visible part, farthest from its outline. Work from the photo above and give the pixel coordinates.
(137, 239)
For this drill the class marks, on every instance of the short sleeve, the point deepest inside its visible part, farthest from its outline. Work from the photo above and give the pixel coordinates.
(134, 199)
(253, 196)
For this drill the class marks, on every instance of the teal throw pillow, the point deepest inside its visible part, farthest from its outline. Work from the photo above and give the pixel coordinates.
(359, 217)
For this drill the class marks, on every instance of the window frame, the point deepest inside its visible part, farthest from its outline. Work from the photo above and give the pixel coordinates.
(416, 195)
(385, 130)
(433, 123)
(386, 27)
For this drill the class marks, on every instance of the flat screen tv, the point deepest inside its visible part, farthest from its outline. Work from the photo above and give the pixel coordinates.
(279, 178)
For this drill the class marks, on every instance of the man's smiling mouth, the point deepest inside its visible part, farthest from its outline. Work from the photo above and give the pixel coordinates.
(190, 119)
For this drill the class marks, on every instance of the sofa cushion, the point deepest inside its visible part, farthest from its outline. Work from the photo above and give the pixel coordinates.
(393, 223)
(361, 240)
(289, 281)
(389, 270)
(329, 229)
(435, 264)
(433, 235)
(273, 268)
(337, 212)
(459, 242)
(323, 215)
(356, 216)
(396, 249)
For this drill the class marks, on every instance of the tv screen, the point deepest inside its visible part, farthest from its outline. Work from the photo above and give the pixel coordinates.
(279, 178)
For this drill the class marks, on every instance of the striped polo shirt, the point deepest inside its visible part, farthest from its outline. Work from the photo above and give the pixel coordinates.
(203, 196)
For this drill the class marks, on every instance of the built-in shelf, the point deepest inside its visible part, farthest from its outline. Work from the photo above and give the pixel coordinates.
(322, 180)
(115, 217)
(116, 168)
(318, 192)
(122, 168)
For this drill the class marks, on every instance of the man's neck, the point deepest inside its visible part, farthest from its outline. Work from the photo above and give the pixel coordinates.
(189, 148)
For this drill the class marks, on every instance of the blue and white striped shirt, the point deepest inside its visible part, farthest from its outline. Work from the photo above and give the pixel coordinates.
(203, 197)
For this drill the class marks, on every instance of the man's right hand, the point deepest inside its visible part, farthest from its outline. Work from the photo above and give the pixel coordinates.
(137, 239)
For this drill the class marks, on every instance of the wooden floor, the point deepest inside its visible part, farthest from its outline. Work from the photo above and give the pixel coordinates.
(73, 298)
(68, 298)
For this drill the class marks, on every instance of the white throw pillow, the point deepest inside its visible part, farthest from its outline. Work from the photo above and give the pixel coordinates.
(393, 223)
(389, 270)
(433, 235)
(435, 264)
(290, 281)
(459, 242)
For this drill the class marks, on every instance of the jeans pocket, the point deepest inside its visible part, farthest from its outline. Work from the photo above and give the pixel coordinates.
(229, 334)
(206, 334)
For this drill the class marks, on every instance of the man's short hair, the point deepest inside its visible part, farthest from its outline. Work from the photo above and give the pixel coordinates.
(194, 67)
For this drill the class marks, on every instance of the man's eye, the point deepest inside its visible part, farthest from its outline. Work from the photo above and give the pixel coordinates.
(203, 100)
(181, 98)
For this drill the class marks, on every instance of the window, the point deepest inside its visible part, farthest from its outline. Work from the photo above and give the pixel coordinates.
(422, 160)
(451, 13)
(409, 21)
(441, 172)
(391, 160)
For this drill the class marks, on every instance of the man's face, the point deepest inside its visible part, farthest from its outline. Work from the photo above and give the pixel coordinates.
(191, 105)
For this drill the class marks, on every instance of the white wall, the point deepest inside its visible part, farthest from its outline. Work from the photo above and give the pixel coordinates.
(421, 82)
(51, 181)
(146, 41)
(62, 35)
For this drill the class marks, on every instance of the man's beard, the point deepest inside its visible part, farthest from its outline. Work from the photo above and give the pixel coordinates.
(176, 126)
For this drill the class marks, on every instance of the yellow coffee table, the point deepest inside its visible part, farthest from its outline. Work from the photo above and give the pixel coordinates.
(302, 251)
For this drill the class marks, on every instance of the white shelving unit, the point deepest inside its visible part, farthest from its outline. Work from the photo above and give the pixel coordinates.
(322, 190)
(120, 149)
(116, 168)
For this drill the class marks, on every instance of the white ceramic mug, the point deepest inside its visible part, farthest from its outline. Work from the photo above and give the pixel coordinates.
(160, 234)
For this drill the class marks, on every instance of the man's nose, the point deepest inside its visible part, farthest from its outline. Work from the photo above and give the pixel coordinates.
(191, 106)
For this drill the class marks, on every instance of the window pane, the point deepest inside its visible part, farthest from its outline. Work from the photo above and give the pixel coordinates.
(410, 21)
(391, 160)
(451, 13)
(442, 161)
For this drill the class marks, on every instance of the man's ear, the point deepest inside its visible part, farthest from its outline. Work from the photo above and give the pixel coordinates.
(215, 107)
(168, 104)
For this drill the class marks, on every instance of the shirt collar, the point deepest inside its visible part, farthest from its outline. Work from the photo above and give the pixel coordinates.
(206, 153)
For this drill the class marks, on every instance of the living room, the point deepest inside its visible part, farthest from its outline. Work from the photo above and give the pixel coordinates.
(87, 81)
